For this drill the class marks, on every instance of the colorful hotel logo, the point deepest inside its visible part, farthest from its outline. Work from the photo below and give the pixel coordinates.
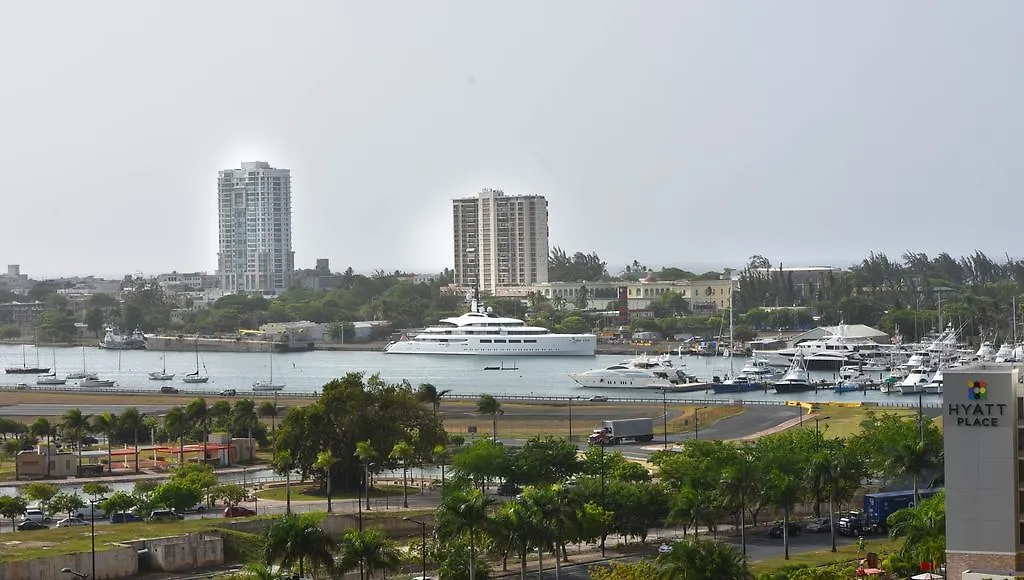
(977, 390)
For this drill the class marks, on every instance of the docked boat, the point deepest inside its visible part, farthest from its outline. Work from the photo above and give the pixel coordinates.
(641, 372)
(796, 379)
(759, 368)
(50, 379)
(986, 352)
(96, 383)
(481, 332)
(916, 380)
(115, 341)
(740, 384)
(1005, 353)
(934, 387)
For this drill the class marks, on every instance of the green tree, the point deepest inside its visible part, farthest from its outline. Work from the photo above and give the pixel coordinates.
(199, 415)
(402, 451)
(176, 424)
(298, 540)
(95, 490)
(244, 417)
(784, 484)
(106, 423)
(57, 325)
(65, 503)
(464, 513)
(702, 560)
(324, 462)
(428, 393)
(74, 426)
(196, 475)
(624, 571)
(482, 460)
(94, 319)
(119, 502)
(12, 507)
(364, 453)
(40, 492)
(176, 495)
(232, 493)
(270, 409)
(924, 530)
(368, 551)
(544, 460)
(131, 421)
(488, 405)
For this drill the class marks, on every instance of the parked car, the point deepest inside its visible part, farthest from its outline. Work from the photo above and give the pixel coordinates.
(598, 399)
(71, 522)
(89, 440)
(26, 525)
(237, 511)
(124, 518)
(169, 390)
(819, 525)
(776, 530)
(165, 516)
(90, 512)
(228, 393)
(664, 548)
(35, 515)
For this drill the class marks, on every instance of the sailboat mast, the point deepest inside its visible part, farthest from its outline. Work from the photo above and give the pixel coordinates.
(732, 348)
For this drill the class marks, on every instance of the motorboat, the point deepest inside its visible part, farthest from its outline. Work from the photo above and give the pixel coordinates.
(481, 332)
(264, 386)
(640, 372)
(796, 379)
(50, 379)
(740, 384)
(759, 368)
(916, 380)
(934, 387)
(828, 361)
(986, 352)
(1005, 353)
(96, 383)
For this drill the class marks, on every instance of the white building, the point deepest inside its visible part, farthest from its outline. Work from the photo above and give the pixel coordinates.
(500, 240)
(255, 209)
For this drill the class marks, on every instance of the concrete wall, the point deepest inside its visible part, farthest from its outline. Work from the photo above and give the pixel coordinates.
(188, 552)
(119, 562)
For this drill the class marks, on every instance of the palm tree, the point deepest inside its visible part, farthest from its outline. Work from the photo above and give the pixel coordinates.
(132, 420)
(403, 451)
(244, 417)
(260, 571)
(914, 458)
(464, 512)
(488, 405)
(515, 529)
(42, 427)
(428, 393)
(298, 540)
(269, 409)
(368, 551)
(176, 424)
(365, 452)
(198, 414)
(702, 560)
(107, 424)
(325, 461)
(74, 425)
(440, 456)
(924, 528)
(220, 413)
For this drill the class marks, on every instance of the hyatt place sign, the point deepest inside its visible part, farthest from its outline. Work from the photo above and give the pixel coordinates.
(977, 414)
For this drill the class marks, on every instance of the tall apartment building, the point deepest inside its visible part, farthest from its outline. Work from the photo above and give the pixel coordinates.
(500, 240)
(255, 208)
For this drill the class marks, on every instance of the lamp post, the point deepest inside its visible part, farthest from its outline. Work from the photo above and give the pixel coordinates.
(423, 545)
(696, 421)
(817, 480)
(817, 444)
(604, 532)
(570, 417)
(664, 417)
(92, 531)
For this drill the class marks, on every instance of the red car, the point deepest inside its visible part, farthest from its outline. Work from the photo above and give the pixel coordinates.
(237, 511)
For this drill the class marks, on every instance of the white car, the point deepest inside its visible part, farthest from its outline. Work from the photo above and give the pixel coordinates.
(71, 522)
(664, 548)
(36, 515)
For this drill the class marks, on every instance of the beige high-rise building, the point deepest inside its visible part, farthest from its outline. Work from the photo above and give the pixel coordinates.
(500, 240)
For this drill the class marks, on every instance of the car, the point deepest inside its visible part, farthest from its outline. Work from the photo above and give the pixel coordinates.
(71, 522)
(89, 440)
(21, 386)
(124, 518)
(228, 393)
(26, 525)
(35, 515)
(164, 516)
(170, 390)
(598, 399)
(776, 530)
(664, 548)
(509, 489)
(819, 525)
(237, 511)
(90, 512)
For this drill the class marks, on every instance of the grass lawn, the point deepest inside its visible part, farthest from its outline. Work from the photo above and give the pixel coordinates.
(305, 492)
(845, 421)
(882, 546)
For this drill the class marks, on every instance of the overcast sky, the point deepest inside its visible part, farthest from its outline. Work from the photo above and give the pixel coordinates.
(672, 132)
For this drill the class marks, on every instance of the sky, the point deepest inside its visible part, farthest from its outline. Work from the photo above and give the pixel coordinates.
(670, 132)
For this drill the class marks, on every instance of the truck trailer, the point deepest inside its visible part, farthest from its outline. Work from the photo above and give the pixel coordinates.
(877, 508)
(615, 431)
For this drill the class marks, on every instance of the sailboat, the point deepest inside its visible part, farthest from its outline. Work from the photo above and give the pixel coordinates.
(195, 377)
(84, 373)
(734, 384)
(162, 374)
(268, 385)
(24, 369)
(51, 378)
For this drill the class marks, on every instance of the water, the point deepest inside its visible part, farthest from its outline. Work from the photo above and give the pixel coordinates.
(306, 372)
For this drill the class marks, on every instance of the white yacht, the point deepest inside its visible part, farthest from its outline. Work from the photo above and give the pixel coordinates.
(162, 374)
(1005, 353)
(796, 379)
(759, 368)
(828, 353)
(935, 386)
(96, 383)
(986, 351)
(481, 332)
(641, 372)
(916, 380)
(50, 379)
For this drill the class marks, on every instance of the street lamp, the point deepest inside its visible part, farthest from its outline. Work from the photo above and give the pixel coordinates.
(92, 530)
(423, 545)
(604, 531)
(664, 417)
(696, 420)
(73, 572)
(816, 419)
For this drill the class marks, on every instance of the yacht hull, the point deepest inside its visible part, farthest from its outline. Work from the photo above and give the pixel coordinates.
(543, 345)
(785, 388)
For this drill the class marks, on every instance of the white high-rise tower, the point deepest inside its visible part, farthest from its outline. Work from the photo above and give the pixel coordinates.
(255, 208)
